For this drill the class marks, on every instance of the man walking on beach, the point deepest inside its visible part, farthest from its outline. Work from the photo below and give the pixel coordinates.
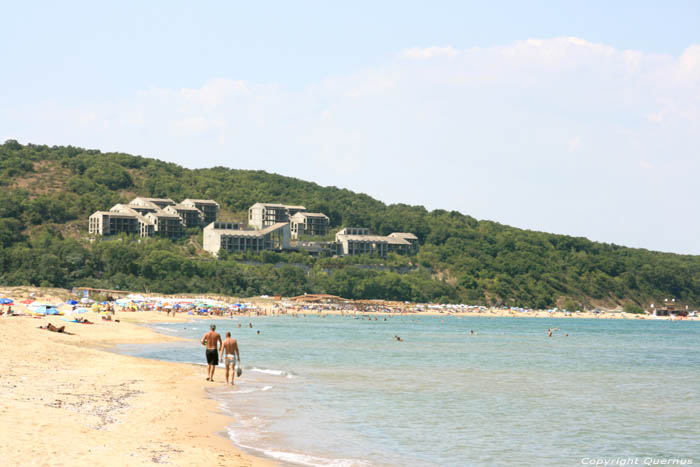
(230, 351)
(211, 340)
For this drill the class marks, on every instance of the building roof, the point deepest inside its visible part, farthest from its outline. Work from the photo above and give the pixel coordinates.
(124, 209)
(319, 215)
(406, 235)
(364, 238)
(276, 205)
(182, 207)
(398, 241)
(163, 214)
(247, 233)
(142, 203)
(113, 214)
(374, 239)
(200, 201)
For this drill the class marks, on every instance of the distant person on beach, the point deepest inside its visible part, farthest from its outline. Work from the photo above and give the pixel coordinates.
(549, 332)
(230, 350)
(211, 340)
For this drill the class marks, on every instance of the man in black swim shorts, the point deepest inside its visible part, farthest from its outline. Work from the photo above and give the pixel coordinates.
(211, 340)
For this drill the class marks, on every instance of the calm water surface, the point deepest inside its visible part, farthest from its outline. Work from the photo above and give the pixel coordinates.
(341, 391)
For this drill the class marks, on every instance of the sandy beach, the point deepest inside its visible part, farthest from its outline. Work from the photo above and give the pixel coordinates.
(64, 400)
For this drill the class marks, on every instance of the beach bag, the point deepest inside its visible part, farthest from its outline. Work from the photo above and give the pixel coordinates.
(239, 371)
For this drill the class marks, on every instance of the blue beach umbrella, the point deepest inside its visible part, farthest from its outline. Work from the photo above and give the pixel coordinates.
(77, 311)
(46, 310)
(6, 301)
(72, 302)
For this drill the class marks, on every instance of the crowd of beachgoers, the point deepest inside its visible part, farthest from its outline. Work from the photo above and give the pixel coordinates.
(77, 304)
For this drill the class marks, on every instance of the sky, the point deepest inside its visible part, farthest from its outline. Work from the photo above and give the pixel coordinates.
(580, 118)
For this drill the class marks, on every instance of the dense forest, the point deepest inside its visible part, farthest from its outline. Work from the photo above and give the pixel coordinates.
(48, 193)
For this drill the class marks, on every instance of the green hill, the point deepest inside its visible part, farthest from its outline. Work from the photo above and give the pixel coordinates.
(48, 193)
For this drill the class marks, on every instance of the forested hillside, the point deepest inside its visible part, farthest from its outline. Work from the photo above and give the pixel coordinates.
(48, 193)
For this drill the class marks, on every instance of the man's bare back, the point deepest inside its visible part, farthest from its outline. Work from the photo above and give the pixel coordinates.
(230, 347)
(231, 354)
(211, 339)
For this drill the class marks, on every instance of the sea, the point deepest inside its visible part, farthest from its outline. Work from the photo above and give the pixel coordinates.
(343, 391)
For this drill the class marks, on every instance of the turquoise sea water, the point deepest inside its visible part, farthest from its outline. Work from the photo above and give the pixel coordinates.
(342, 391)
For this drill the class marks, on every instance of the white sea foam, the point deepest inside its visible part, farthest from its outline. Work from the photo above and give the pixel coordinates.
(267, 388)
(305, 459)
(296, 458)
(268, 371)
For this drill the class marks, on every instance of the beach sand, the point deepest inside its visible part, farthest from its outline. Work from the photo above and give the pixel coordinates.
(64, 400)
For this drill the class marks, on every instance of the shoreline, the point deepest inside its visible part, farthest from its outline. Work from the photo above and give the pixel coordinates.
(65, 398)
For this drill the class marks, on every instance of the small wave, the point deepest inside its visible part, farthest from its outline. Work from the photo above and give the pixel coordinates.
(248, 390)
(306, 459)
(268, 371)
(298, 458)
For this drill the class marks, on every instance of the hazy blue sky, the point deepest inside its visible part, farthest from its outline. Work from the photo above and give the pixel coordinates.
(570, 117)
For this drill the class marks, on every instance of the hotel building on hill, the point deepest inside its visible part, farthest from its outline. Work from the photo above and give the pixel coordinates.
(261, 215)
(309, 223)
(208, 207)
(220, 236)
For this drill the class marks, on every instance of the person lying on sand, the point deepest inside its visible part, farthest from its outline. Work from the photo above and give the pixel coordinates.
(52, 328)
(106, 318)
(83, 321)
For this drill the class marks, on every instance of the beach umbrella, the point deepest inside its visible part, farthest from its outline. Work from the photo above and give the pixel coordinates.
(77, 311)
(6, 301)
(72, 302)
(46, 310)
(26, 302)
